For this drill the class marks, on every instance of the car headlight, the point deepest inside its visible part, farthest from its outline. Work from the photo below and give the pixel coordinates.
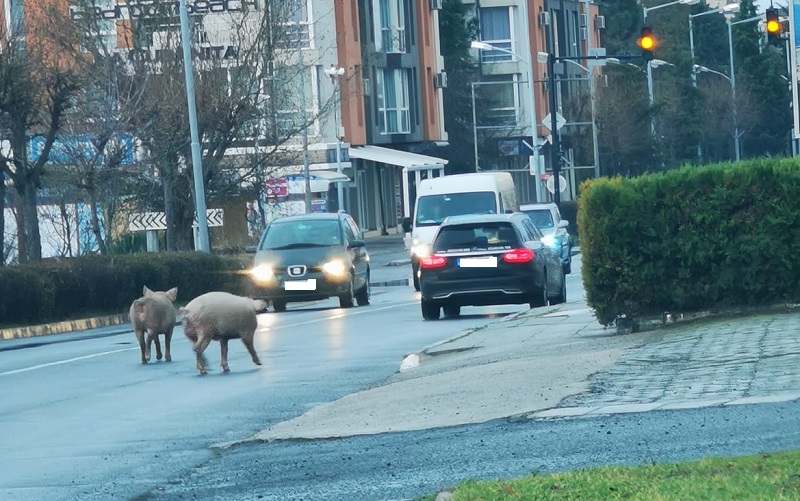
(551, 241)
(421, 250)
(262, 273)
(334, 267)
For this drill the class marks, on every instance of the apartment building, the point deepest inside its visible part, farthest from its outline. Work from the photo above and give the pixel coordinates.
(564, 28)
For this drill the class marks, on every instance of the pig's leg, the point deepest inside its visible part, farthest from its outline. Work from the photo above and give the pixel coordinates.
(140, 338)
(223, 346)
(248, 342)
(167, 341)
(148, 344)
(203, 339)
(154, 336)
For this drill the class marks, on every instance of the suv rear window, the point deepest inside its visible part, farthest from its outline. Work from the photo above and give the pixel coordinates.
(542, 218)
(476, 237)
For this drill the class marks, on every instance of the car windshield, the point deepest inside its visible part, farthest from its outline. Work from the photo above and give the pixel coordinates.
(298, 234)
(542, 218)
(433, 209)
(476, 237)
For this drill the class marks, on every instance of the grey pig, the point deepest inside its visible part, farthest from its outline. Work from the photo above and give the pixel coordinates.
(220, 316)
(154, 314)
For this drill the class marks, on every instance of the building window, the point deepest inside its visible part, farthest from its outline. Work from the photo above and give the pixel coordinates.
(500, 94)
(285, 98)
(495, 23)
(390, 27)
(294, 19)
(392, 96)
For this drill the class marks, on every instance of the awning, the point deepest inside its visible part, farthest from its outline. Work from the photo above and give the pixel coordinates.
(411, 161)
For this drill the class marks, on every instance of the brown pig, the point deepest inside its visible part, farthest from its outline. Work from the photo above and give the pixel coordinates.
(220, 316)
(154, 314)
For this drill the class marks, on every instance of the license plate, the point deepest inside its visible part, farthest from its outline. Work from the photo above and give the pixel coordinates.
(478, 262)
(301, 285)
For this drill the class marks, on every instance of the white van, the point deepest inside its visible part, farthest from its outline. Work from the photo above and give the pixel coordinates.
(440, 197)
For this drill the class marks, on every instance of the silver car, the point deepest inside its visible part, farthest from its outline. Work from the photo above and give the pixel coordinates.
(547, 218)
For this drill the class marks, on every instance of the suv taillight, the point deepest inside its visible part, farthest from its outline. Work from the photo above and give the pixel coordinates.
(517, 256)
(432, 262)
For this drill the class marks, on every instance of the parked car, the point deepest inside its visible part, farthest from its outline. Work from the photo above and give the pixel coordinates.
(482, 260)
(547, 218)
(311, 257)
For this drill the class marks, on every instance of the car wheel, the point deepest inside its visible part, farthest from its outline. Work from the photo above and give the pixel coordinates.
(540, 298)
(568, 267)
(347, 299)
(363, 295)
(430, 310)
(278, 305)
(562, 295)
(451, 311)
(415, 276)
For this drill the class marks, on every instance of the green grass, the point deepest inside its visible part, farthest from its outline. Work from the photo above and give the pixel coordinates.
(762, 477)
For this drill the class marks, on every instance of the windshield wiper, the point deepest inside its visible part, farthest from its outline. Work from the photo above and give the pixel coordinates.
(297, 246)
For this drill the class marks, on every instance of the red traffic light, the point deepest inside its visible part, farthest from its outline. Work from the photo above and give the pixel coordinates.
(647, 41)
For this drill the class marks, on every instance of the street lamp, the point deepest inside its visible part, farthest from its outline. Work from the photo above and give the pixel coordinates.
(555, 144)
(595, 146)
(334, 73)
(654, 63)
(197, 163)
(728, 10)
(535, 147)
(736, 147)
(645, 10)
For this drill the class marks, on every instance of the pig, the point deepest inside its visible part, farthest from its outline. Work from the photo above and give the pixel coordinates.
(221, 316)
(154, 314)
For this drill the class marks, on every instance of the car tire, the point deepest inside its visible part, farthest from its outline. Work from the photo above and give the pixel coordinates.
(539, 298)
(278, 305)
(362, 298)
(430, 310)
(562, 294)
(347, 299)
(451, 311)
(415, 276)
(568, 267)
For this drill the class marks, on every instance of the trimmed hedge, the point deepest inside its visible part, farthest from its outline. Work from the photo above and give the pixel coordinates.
(718, 236)
(55, 290)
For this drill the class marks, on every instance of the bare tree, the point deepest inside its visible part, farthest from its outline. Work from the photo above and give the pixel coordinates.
(37, 83)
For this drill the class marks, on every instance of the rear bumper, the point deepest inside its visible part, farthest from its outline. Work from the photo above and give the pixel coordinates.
(480, 292)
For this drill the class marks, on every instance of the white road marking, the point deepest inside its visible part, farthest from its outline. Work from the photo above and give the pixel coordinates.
(275, 327)
(69, 360)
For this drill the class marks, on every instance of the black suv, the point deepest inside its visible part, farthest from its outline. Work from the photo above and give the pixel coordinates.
(311, 257)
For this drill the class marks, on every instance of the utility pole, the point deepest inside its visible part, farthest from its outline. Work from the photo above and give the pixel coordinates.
(306, 173)
(197, 162)
(555, 152)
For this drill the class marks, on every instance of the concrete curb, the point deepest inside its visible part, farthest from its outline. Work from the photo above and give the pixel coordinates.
(63, 327)
(399, 262)
(598, 410)
(391, 283)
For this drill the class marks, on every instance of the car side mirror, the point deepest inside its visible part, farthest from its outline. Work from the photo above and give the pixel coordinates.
(357, 243)
(563, 223)
(250, 249)
(406, 224)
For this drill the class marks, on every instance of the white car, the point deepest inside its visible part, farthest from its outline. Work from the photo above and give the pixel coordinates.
(547, 218)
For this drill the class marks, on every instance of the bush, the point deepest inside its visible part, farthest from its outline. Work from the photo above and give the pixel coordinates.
(56, 290)
(691, 239)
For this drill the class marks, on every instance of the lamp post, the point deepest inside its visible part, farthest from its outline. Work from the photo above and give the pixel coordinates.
(334, 73)
(728, 10)
(736, 147)
(555, 152)
(732, 81)
(595, 146)
(197, 163)
(536, 162)
(306, 169)
(645, 10)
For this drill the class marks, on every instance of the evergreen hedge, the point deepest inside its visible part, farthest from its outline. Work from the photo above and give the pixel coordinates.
(56, 290)
(725, 235)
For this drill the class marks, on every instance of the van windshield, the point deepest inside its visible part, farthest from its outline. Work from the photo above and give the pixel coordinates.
(433, 209)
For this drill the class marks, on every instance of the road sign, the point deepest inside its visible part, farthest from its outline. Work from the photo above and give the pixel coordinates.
(142, 221)
(560, 121)
(147, 221)
(551, 184)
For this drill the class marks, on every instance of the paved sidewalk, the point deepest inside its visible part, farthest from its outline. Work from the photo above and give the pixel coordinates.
(558, 362)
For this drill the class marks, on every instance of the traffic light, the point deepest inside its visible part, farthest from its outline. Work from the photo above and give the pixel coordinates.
(648, 43)
(774, 26)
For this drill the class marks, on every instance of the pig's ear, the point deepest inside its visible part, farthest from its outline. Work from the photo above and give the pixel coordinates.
(146, 292)
(172, 294)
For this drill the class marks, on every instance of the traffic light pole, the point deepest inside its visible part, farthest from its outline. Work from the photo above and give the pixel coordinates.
(555, 152)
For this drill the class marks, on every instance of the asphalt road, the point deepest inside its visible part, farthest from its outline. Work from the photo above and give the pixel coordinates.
(81, 418)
